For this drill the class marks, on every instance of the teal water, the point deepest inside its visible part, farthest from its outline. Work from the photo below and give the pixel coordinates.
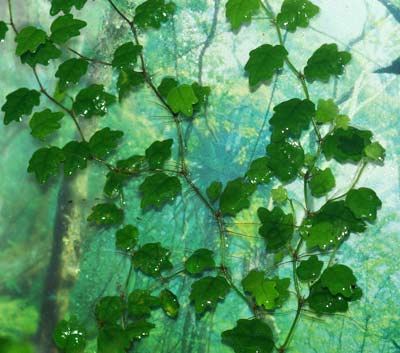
(40, 221)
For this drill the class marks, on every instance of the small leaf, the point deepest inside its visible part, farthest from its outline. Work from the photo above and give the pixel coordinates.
(152, 259)
(324, 235)
(310, 269)
(114, 184)
(20, 103)
(282, 286)
(64, 28)
(375, 152)
(45, 162)
(322, 181)
(342, 122)
(158, 153)
(214, 191)
(262, 289)
(181, 99)
(326, 61)
(29, 39)
(364, 203)
(132, 163)
(125, 56)
(296, 13)
(128, 80)
(152, 13)
(169, 303)
(3, 30)
(106, 214)
(126, 238)
(327, 111)
(235, 196)
(104, 141)
(279, 195)
(339, 279)
(291, 118)
(42, 55)
(70, 336)
(346, 145)
(207, 291)
(159, 189)
(109, 309)
(65, 6)
(276, 228)
(264, 61)
(250, 336)
(45, 123)
(285, 159)
(76, 156)
(199, 261)
(323, 302)
(140, 302)
(259, 172)
(71, 71)
(92, 100)
(202, 93)
(166, 85)
(113, 339)
(239, 12)
(139, 329)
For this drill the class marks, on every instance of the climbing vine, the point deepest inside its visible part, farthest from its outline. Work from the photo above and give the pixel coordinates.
(295, 230)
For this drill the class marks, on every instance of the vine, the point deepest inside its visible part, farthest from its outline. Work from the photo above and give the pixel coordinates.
(319, 283)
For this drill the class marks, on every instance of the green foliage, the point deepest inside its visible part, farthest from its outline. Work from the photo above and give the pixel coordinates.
(125, 56)
(264, 62)
(339, 279)
(279, 195)
(65, 6)
(140, 302)
(152, 259)
(326, 61)
(128, 80)
(235, 196)
(323, 302)
(327, 111)
(19, 103)
(206, 293)
(92, 100)
(76, 155)
(202, 93)
(3, 30)
(29, 39)
(64, 28)
(181, 99)
(214, 191)
(166, 85)
(158, 153)
(70, 336)
(249, 336)
(113, 339)
(169, 303)
(71, 71)
(364, 203)
(152, 13)
(262, 289)
(45, 163)
(126, 238)
(109, 309)
(104, 141)
(106, 214)
(43, 54)
(114, 184)
(375, 152)
(132, 163)
(310, 269)
(45, 123)
(296, 13)
(239, 12)
(259, 172)
(199, 261)
(322, 181)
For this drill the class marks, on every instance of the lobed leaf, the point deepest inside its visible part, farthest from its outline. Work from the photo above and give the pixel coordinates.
(106, 214)
(45, 162)
(43, 54)
(141, 302)
(364, 203)
(158, 153)
(125, 56)
(45, 123)
(109, 309)
(235, 196)
(259, 172)
(181, 99)
(29, 39)
(310, 269)
(104, 141)
(240, 12)
(126, 238)
(327, 111)
(19, 103)
(76, 156)
(71, 71)
(65, 6)
(92, 100)
(322, 181)
(201, 260)
(152, 259)
(129, 80)
(65, 27)
(296, 13)
(152, 13)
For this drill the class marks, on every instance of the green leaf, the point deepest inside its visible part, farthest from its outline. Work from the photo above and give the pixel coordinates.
(279, 195)
(113, 339)
(65, 6)
(114, 183)
(65, 27)
(29, 39)
(70, 336)
(291, 118)
(42, 55)
(346, 145)
(214, 191)
(140, 302)
(109, 309)
(152, 259)
(239, 12)
(326, 61)
(342, 122)
(128, 80)
(199, 261)
(285, 159)
(322, 181)
(364, 203)
(71, 71)
(158, 153)
(159, 189)
(323, 302)
(250, 336)
(104, 141)
(45, 123)
(327, 111)
(276, 228)
(235, 196)
(296, 13)
(202, 93)
(310, 269)
(262, 289)
(166, 85)
(106, 214)
(139, 329)
(282, 286)
(20, 103)
(76, 156)
(126, 238)
(375, 152)
(8, 345)
(92, 100)
(324, 235)
(339, 279)
(259, 172)
(169, 303)
(125, 56)
(3, 30)
(132, 163)
(264, 61)
(207, 291)
(45, 162)
(152, 13)
(181, 99)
